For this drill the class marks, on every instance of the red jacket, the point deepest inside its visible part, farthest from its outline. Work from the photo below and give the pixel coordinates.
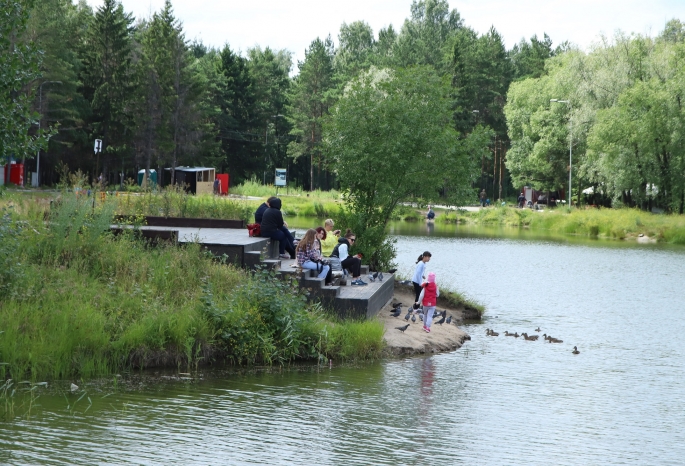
(430, 294)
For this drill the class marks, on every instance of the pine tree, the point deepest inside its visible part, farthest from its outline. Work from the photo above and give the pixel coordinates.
(107, 79)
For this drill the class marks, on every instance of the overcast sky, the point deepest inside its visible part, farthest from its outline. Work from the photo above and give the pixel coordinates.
(293, 24)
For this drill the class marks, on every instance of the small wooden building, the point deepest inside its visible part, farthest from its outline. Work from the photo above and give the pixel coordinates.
(196, 180)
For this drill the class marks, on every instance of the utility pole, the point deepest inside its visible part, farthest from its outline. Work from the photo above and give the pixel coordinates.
(40, 118)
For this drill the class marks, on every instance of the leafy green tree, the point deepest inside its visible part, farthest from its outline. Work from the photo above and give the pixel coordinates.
(390, 138)
(107, 79)
(56, 28)
(311, 96)
(528, 58)
(19, 68)
(425, 37)
(356, 49)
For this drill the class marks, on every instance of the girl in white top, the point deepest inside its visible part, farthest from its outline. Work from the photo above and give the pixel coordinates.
(419, 276)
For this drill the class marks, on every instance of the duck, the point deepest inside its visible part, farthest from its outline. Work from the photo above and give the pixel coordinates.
(575, 350)
(546, 337)
(537, 329)
(492, 333)
(555, 340)
(529, 338)
(506, 333)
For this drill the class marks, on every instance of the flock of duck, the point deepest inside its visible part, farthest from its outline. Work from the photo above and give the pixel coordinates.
(491, 333)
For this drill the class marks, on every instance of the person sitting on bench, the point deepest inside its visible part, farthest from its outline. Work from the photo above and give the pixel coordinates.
(273, 226)
(351, 263)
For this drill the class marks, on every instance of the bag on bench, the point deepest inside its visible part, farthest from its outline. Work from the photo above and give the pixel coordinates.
(254, 229)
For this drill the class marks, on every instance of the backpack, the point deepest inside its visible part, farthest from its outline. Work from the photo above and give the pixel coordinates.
(254, 229)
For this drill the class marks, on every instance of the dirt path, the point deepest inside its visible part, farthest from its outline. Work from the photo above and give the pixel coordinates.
(414, 340)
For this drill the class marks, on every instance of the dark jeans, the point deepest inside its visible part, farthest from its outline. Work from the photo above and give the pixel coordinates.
(285, 241)
(353, 264)
(417, 291)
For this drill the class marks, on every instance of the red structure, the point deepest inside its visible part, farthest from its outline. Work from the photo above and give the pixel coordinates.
(14, 173)
(223, 177)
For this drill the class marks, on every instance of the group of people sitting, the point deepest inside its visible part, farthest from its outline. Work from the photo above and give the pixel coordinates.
(316, 248)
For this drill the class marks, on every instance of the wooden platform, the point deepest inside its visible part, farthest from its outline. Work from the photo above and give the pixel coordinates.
(348, 301)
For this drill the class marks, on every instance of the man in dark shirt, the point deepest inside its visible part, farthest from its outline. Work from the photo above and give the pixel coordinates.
(261, 209)
(273, 226)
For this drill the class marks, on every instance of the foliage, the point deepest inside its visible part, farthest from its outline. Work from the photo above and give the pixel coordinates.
(390, 138)
(19, 67)
(311, 96)
(626, 120)
(86, 304)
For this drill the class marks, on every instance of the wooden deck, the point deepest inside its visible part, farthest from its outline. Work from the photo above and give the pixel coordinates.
(348, 301)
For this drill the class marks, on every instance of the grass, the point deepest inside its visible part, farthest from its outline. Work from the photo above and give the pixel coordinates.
(601, 223)
(76, 301)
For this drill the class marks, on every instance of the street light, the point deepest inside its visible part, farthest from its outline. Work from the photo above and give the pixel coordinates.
(40, 109)
(570, 144)
(266, 140)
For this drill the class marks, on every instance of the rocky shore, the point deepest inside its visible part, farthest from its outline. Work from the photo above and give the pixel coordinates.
(414, 341)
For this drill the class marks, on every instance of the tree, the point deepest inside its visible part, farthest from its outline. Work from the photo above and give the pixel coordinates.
(56, 28)
(107, 78)
(356, 46)
(269, 72)
(390, 138)
(19, 67)
(425, 37)
(528, 59)
(312, 95)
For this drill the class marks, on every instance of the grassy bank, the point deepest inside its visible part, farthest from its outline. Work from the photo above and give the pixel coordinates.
(76, 301)
(601, 223)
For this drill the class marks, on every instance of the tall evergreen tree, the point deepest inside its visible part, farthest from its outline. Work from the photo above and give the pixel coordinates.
(107, 78)
(311, 97)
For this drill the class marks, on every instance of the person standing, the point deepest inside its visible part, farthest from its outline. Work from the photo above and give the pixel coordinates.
(273, 226)
(430, 297)
(483, 195)
(419, 276)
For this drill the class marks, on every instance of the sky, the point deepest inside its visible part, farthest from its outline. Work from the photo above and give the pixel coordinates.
(294, 24)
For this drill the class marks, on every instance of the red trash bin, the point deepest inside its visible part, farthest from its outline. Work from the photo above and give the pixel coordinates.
(17, 173)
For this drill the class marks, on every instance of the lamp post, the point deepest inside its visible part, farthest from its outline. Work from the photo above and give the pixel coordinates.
(40, 110)
(266, 140)
(570, 144)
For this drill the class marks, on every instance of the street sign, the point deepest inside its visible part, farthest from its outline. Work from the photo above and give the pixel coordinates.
(98, 145)
(280, 177)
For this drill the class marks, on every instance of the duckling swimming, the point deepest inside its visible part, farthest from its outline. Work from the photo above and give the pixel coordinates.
(575, 350)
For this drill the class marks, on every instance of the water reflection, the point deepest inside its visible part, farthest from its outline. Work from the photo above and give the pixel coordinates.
(495, 401)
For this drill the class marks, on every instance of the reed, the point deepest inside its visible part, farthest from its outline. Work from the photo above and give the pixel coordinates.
(79, 301)
(623, 223)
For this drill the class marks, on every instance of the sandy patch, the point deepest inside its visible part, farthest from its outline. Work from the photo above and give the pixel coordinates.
(446, 337)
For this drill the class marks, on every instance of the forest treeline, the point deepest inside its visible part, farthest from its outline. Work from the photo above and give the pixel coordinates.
(72, 74)
(157, 99)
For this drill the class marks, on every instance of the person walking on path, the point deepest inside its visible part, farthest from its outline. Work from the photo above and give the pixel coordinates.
(351, 263)
(483, 195)
(273, 226)
(309, 255)
(419, 276)
(430, 297)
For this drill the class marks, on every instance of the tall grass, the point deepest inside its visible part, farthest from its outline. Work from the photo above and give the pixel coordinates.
(602, 223)
(253, 188)
(172, 202)
(78, 301)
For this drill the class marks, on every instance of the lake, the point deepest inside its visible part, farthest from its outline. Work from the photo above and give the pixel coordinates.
(497, 400)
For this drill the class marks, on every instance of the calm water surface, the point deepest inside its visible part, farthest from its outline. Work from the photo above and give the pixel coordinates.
(495, 401)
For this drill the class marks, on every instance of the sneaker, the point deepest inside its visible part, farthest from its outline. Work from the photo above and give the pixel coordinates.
(428, 330)
(358, 282)
(284, 256)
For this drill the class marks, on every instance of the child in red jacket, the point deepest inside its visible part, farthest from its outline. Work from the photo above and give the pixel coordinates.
(430, 297)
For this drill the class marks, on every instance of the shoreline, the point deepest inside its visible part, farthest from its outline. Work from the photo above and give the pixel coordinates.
(414, 341)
